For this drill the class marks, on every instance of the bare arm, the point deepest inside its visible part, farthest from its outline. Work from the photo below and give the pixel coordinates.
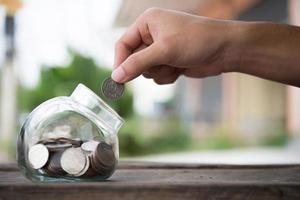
(267, 50)
(177, 43)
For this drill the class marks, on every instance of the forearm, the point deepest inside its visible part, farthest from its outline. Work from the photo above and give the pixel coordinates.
(266, 50)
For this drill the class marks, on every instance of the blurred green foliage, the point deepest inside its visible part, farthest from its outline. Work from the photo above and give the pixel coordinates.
(171, 136)
(275, 138)
(62, 80)
(219, 141)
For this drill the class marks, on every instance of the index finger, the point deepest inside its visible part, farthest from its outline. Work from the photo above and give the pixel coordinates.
(126, 45)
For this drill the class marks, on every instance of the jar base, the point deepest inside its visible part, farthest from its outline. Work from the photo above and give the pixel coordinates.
(48, 179)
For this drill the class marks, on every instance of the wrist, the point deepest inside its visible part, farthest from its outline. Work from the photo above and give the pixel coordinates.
(250, 45)
(263, 49)
(236, 41)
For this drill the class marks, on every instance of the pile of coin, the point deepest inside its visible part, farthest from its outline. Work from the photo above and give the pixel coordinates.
(72, 157)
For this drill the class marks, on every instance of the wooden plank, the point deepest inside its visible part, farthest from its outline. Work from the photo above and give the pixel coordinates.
(158, 165)
(164, 181)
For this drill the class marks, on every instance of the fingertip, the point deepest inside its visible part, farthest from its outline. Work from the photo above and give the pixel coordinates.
(118, 74)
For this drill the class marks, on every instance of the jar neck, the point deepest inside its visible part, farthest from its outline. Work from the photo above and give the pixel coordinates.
(87, 98)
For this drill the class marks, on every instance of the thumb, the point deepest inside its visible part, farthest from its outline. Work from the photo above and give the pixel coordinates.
(137, 63)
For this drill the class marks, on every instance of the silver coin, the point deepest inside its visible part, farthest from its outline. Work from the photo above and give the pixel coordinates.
(85, 169)
(104, 155)
(103, 159)
(38, 156)
(53, 166)
(76, 142)
(57, 146)
(112, 89)
(90, 172)
(74, 161)
(90, 146)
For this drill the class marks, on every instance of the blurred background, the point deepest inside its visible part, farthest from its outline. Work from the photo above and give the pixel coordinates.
(47, 47)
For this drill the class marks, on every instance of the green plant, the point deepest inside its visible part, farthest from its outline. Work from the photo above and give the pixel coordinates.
(277, 138)
(61, 81)
(171, 136)
(131, 139)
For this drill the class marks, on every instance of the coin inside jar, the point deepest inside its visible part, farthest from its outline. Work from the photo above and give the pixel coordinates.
(38, 156)
(57, 146)
(112, 89)
(85, 169)
(90, 146)
(103, 159)
(75, 142)
(105, 154)
(74, 161)
(53, 166)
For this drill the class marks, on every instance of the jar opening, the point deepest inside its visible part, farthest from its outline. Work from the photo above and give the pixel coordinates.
(87, 98)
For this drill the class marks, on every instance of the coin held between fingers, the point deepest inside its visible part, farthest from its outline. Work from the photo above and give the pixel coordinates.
(112, 89)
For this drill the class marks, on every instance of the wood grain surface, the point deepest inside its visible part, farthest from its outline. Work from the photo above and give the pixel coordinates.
(160, 181)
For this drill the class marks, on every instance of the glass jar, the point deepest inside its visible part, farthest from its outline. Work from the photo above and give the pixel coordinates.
(70, 139)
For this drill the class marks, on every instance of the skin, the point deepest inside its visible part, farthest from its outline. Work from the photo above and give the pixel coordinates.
(164, 44)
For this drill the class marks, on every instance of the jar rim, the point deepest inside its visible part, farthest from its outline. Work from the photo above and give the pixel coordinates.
(81, 93)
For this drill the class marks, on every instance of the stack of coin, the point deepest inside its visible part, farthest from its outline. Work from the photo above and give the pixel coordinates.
(61, 141)
(53, 166)
(103, 159)
(73, 157)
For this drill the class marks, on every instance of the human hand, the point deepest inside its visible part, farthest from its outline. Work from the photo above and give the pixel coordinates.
(164, 44)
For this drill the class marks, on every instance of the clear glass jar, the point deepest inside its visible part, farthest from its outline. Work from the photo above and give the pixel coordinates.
(70, 139)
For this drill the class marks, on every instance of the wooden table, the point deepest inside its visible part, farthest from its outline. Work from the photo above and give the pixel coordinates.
(164, 181)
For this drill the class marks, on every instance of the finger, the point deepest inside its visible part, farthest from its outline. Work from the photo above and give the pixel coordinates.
(158, 72)
(137, 63)
(152, 72)
(129, 41)
(136, 38)
(161, 71)
(167, 79)
(147, 75)
(202, 71)
(141, 47)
